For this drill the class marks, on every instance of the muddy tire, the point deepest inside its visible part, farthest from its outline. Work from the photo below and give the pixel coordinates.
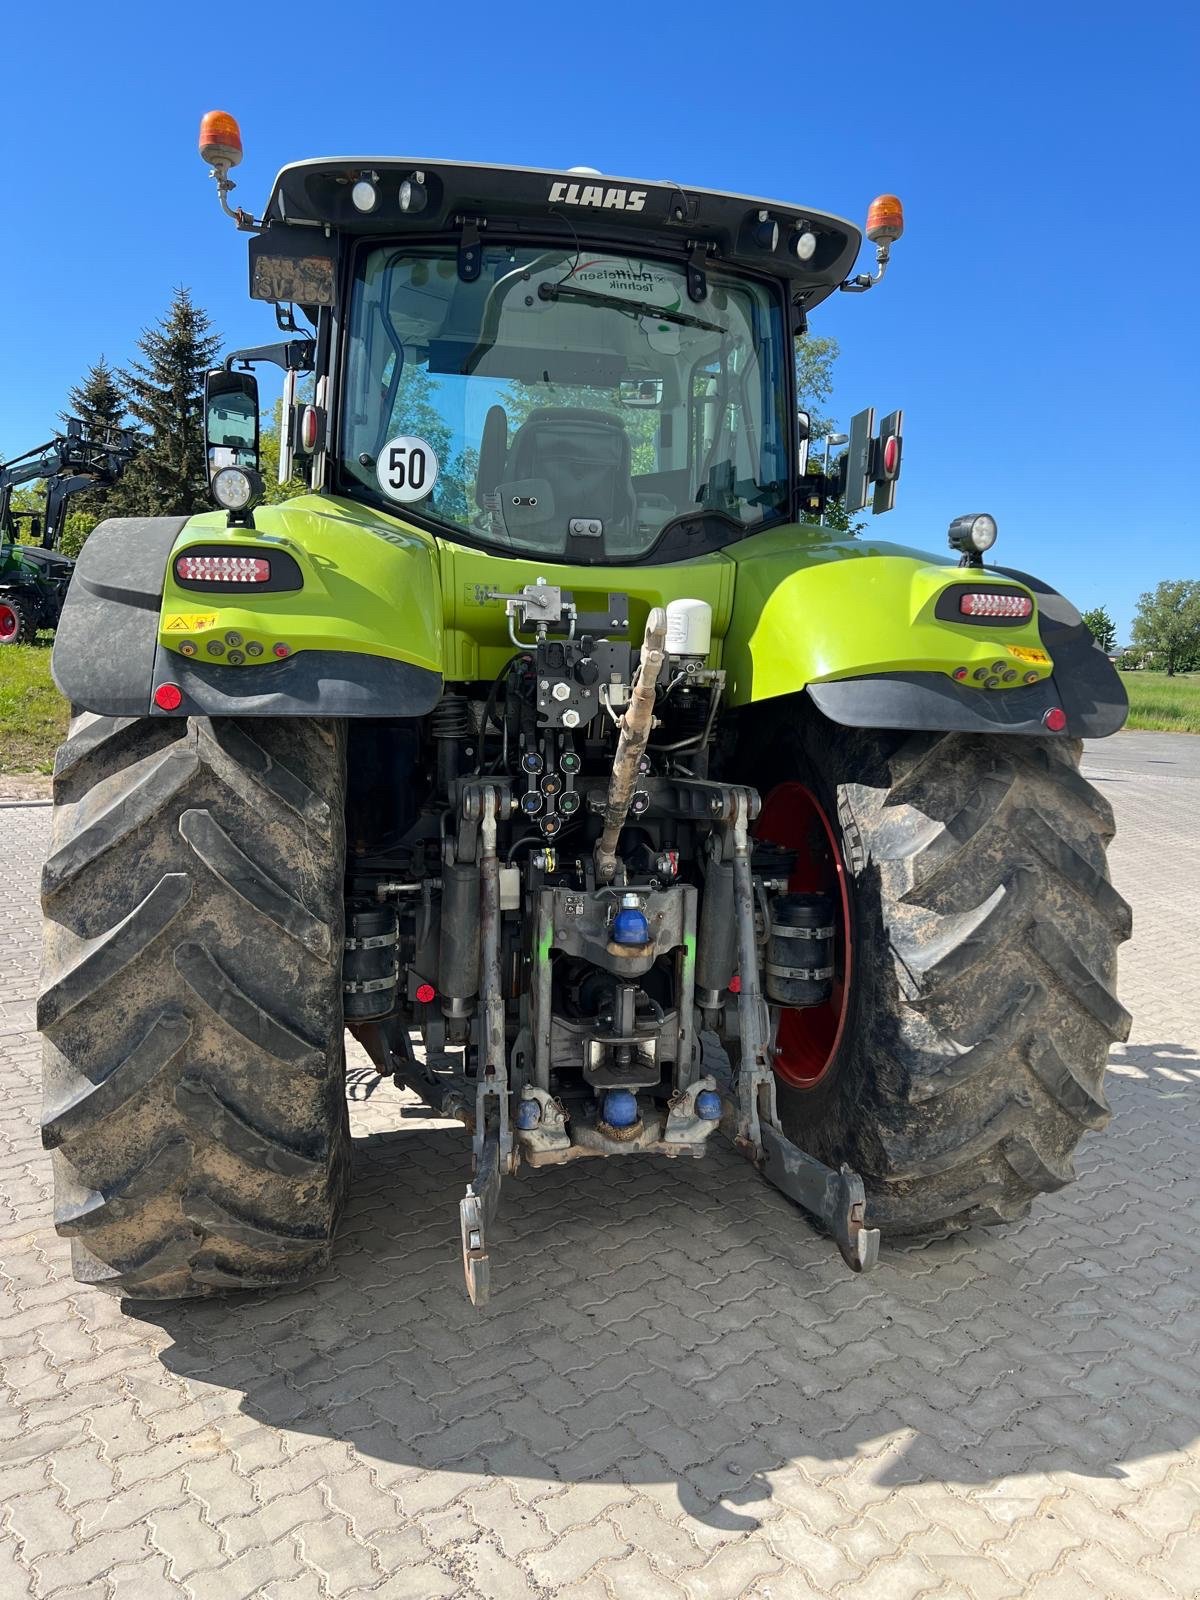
(191, 1001)
(985, 932)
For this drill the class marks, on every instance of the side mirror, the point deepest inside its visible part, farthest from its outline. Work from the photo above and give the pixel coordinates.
(803, 435)
(231, 420)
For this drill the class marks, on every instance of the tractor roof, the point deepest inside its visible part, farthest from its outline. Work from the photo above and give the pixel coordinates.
(531, 200)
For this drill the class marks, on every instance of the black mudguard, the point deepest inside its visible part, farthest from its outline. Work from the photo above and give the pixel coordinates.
(107, 635)
(107, 656)
(1084, 683)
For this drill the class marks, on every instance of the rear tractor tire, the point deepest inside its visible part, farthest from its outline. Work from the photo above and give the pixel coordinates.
(191, 1002)
(967, 1055)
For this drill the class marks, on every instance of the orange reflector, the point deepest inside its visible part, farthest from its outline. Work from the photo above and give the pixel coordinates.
(168, 697)
(885, 219)
(220, 139)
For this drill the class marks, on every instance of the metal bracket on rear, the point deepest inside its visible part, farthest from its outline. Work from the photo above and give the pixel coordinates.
(493, 1143)
(475, 1212)
(836, 1197)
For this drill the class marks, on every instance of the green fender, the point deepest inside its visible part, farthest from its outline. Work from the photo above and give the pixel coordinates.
(384, 613)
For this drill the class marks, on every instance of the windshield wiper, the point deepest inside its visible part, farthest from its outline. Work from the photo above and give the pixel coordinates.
(614, 302)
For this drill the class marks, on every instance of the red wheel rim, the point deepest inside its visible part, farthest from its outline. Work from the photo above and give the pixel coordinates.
(808, 1039)
(9, 623)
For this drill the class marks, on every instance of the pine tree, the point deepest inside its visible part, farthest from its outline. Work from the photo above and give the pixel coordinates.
(98, 401)
(166, 400)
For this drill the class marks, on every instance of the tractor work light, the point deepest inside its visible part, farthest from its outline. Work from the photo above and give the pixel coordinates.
(973, 534)
(413, 193)
(236, 488)
(222, 569)
(995, 605)
(364, 194)
(766, 231)
(805, 245)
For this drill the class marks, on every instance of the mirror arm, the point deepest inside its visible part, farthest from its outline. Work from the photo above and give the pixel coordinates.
(293, 355)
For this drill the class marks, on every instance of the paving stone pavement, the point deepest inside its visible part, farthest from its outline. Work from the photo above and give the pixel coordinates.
(677, 1392)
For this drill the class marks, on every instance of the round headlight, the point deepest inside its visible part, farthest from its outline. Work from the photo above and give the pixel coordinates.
(766, 231)
(365, 195)
(412, 195)
(805, 245)
(233, 488)
(973, 534)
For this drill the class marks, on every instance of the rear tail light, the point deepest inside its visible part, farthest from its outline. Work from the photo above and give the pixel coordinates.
(995, 605)
(222, 569)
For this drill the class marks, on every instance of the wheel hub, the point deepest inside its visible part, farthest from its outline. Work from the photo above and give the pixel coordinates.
(808, 1039)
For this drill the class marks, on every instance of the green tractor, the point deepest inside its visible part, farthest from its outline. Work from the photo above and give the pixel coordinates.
(34, 576)
(556, 745)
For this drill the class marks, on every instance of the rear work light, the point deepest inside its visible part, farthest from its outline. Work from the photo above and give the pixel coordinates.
(222, 569)
(995, 605)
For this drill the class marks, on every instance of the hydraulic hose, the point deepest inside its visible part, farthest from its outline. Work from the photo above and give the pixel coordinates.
(631, 745)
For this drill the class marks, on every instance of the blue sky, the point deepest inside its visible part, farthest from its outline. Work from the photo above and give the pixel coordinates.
(1038, 323)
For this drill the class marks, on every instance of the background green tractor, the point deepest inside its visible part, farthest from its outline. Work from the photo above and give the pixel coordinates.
(553, 746)
(34, 575)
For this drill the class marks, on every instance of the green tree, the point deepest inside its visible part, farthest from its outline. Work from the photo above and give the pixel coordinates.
(269, 437)
(1168, 624)
(98, 400)
(814, 381)
(415, 411)
(815, 357)
(165, 389)
(99, 403)
(1102, 628)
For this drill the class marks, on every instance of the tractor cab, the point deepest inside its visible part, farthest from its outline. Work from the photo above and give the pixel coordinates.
(569, 367)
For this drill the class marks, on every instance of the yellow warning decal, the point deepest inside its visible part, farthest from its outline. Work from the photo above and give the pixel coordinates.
(1022, 653)
(189, 621)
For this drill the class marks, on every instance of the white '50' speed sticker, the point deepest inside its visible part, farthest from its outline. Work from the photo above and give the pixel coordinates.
(407, 469)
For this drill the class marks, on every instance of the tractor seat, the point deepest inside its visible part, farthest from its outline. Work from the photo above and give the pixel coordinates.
(581, 456)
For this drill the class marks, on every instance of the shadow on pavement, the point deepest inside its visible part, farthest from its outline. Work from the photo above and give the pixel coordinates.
(663, 1323)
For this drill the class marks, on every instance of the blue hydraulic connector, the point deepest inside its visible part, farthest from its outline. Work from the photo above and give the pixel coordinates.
(629, 926)
(529, 1114)
(619, 1108)
(708, 1105)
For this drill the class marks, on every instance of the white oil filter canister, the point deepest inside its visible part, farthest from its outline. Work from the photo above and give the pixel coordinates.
(689, 628)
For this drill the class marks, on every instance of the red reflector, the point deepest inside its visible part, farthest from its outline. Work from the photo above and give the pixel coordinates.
(425, 993)
(891, 456)
(735, 985)
(308, 429)
(281, 650)
(222, 569)
(1055, 719)
(960, 673)
(168, 697)
(995, 605)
